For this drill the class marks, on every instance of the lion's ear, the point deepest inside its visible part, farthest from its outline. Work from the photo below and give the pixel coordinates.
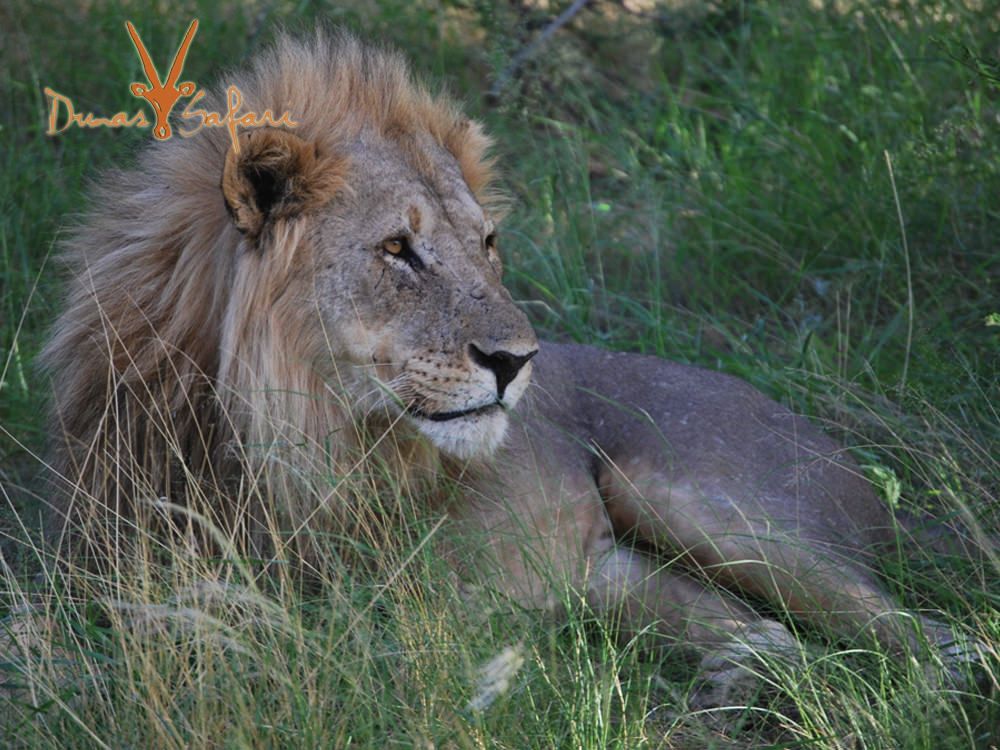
(277, 176)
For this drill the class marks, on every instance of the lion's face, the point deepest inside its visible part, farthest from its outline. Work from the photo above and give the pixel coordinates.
(407, 286)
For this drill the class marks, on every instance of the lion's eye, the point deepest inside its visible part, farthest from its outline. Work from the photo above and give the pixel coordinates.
(399, 247)
(394, 246)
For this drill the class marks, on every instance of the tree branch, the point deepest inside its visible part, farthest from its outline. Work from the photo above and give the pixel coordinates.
(526, 52)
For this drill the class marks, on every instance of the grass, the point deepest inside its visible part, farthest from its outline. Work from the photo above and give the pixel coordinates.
(803, 197)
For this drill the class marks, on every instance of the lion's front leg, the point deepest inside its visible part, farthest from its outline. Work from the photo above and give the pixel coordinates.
(553, 549)
(737, 646)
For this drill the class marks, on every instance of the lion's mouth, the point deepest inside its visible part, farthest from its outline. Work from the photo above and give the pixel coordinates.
(446, 416)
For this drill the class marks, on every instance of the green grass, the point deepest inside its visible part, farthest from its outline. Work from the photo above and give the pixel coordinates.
(805, 198)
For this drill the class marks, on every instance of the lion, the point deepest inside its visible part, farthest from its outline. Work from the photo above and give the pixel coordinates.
(258, 314)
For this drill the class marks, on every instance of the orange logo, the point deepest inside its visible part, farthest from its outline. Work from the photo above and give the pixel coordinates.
(162, 97)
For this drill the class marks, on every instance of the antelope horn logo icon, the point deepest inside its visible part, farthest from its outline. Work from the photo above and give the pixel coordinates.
(162, 97)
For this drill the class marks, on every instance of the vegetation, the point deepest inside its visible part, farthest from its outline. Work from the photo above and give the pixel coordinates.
(803, 194)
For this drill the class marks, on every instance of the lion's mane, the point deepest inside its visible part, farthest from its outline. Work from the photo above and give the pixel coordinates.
(180, 344)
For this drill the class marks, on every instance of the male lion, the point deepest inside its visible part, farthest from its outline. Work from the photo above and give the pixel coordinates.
(256, 316)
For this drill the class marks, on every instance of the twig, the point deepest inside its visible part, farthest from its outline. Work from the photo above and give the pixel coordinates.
(909, 277)
(531, 48)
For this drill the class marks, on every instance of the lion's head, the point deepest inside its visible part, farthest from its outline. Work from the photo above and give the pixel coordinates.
(396, 261)
(279, 293)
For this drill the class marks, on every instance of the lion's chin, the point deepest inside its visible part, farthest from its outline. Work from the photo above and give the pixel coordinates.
(476, 435)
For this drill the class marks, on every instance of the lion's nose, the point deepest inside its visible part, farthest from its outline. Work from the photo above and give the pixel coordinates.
(503, 364)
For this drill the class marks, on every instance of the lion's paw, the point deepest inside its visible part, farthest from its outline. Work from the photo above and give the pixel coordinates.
(728, 678)
(742, 673)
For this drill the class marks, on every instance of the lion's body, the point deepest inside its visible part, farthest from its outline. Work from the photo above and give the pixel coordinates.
(343, 283)
(698, 465)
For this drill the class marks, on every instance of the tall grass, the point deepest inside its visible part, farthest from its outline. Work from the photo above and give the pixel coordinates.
(802, 196)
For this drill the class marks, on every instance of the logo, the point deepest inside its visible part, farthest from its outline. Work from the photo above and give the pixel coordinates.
(163, 97)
